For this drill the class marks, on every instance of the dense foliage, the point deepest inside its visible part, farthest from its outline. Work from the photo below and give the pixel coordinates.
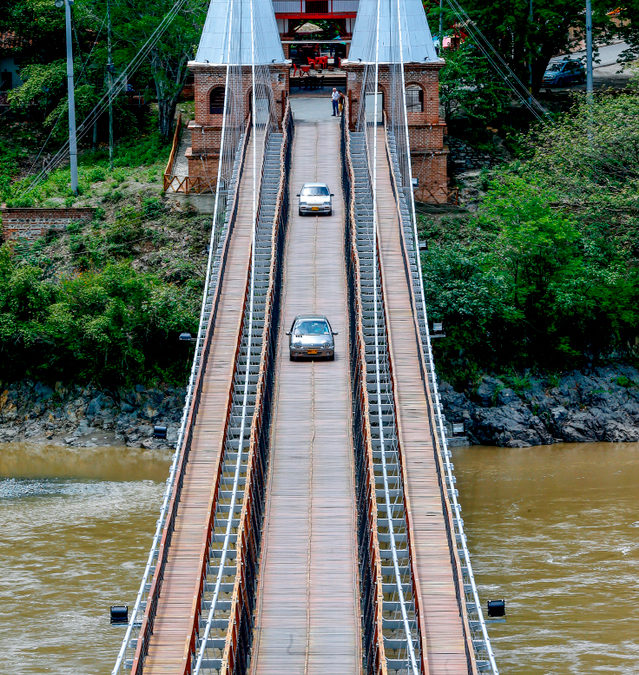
(39, 27)
(111, 325)
(470, 89)
(546, 273)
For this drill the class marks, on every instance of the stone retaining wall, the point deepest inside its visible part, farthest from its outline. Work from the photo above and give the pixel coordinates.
(30, 224)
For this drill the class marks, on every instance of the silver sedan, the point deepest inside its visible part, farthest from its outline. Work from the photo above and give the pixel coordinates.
(311, 336)
(315, 198)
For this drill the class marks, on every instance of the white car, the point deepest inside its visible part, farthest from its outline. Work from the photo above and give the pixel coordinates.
(311, 336)
(315, 198)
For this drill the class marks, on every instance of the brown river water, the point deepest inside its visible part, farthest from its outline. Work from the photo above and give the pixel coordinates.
(553, 530)
(76, 527)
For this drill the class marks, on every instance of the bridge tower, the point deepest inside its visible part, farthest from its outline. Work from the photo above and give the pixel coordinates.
(231, 27)
(421, 77)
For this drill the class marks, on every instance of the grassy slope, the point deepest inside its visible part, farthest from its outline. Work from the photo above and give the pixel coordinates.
(157, 253)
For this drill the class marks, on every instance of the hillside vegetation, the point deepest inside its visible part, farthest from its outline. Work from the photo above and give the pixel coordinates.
(105, 301)
(545, 275)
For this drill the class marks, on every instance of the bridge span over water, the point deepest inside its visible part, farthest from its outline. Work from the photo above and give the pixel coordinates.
(310, 522)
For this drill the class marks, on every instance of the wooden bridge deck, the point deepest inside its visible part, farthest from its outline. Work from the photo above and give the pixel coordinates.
(169, 644)
(307, 616)
(441, 619)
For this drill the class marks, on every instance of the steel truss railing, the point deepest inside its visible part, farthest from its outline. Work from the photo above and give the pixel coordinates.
(477, 637)
(390, 603)
(227, 628)
(140, 628)
(370, 572)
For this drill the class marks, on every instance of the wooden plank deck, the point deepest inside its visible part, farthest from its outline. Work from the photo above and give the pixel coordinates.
(175, 614)
(308, 618)
(440, 610)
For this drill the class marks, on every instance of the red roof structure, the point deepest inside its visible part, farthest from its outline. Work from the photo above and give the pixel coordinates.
(290, 13)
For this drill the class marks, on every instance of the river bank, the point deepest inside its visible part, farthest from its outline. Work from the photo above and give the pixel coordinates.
(576, 407)
(85, 416)
(601, 405)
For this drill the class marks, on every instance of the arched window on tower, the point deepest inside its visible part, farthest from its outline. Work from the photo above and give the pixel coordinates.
(414, 98)
(216, 101)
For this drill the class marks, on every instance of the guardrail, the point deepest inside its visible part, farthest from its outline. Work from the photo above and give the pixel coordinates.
(384, 370)
(477, 641)
(367, 530)
(156, 562)
(186, 184)
(238, 639)
(176, 141)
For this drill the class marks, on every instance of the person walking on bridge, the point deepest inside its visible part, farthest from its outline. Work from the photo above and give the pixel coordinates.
(335, 101)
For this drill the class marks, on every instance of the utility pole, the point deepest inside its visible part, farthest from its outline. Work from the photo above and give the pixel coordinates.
(441, 26)
(110, 84)
(530, 54)
(73, 146)
(589, 51)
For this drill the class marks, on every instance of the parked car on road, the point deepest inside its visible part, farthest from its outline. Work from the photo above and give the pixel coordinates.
(315, 198)
(564, 73)
(311, 336)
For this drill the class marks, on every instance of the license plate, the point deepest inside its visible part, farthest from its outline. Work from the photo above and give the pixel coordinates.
(314, 208)
(312, 351)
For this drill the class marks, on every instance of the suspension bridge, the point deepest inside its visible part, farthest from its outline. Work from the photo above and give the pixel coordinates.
(310, 522)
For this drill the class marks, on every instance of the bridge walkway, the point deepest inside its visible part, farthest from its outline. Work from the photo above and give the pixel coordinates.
(441, 619)
(307, 614)
(169, 643)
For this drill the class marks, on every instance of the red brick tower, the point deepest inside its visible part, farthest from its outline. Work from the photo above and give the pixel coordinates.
(234, 37)
(412, 46)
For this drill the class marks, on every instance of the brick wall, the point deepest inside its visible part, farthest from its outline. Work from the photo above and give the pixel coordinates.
(30, 224)
(426, 129)
(430, 170)
(206, 129)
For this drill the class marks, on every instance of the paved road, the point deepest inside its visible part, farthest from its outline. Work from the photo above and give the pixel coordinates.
(605, 55)
(607, 72)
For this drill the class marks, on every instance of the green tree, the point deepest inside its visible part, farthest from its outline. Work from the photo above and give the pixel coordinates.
(134, 22)
(41, 26)
(546, 273)
(556, 25)
(470, 88)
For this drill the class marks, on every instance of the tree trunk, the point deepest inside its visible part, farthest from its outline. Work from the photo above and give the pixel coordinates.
(169, 80)
(166, 113)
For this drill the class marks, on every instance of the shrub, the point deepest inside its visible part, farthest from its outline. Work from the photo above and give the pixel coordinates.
(116, 325)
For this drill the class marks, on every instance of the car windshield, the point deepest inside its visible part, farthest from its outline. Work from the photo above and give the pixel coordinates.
(315, 191)
(314, 327)
(554, 67)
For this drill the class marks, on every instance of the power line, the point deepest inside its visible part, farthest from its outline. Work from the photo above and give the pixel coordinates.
(498, 63)
(117, 86)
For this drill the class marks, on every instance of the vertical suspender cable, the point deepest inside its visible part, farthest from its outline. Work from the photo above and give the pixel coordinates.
(409, 638)
(440, 422)
(238, 464)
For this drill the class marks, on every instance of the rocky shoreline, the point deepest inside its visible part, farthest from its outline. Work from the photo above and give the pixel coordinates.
(87, 416)
(578, 407)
